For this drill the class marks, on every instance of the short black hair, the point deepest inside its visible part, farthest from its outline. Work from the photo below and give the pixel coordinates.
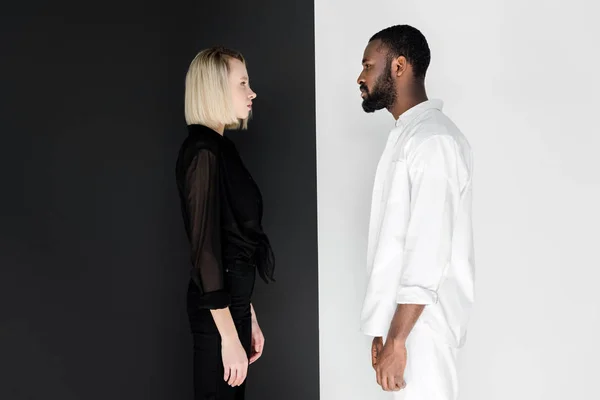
(404, 40)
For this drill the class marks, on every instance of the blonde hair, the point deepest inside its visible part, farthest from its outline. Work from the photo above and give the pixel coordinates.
(207, 95)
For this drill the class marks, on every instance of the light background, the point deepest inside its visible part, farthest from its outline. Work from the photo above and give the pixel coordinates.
(520, 80)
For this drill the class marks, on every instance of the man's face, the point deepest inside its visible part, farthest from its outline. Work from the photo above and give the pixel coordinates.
(375, 81)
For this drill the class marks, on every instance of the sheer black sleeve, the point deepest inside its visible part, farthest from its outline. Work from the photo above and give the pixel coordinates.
(203, 204)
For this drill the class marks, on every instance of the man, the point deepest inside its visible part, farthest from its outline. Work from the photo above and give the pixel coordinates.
(420, 252)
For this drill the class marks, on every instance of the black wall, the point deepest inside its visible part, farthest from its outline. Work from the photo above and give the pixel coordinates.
(94, 259)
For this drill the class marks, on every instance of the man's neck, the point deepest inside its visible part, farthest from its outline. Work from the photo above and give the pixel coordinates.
(416, 95)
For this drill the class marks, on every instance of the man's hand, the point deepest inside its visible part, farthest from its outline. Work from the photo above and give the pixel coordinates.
(391, 360)
(376, 349)
(390, 365)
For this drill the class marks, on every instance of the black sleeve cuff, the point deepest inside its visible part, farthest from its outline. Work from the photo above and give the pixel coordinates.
(214, 300)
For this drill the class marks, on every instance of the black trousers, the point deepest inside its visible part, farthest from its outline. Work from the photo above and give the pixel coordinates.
(208, 363)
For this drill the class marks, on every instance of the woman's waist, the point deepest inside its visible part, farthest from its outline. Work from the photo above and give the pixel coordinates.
(239, 253)
(254, 250)
(239, 261)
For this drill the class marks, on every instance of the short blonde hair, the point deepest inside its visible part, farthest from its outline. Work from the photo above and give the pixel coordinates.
(207, 94)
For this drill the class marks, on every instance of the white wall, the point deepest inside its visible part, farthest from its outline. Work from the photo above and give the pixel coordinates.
(521, 81)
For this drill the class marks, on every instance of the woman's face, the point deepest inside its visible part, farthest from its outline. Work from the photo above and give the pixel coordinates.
(241, 93)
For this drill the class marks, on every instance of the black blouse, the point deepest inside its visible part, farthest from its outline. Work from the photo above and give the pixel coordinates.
(222, 211)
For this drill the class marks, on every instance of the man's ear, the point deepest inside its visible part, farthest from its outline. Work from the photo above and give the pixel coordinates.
(399, 66)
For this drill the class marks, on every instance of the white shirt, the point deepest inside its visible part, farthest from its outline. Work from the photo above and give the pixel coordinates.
(420, 246)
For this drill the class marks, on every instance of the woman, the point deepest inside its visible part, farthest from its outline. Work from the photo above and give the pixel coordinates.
(222, 211)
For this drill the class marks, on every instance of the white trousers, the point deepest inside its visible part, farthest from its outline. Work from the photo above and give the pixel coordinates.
(430, 372)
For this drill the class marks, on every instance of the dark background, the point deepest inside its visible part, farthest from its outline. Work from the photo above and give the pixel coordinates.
(93, 253)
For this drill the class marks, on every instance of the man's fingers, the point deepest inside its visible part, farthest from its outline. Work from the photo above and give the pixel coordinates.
(396, 384)
(385, 383)
(373, 356)
(376, 349)
(390, 383)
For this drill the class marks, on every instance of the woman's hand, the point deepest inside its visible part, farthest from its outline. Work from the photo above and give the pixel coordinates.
(235, 361)
(258, 339)
(258, 342)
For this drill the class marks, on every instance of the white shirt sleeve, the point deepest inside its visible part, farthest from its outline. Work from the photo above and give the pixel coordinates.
(434, 169)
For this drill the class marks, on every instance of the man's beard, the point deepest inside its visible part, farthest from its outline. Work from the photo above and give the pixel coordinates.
(383, 94)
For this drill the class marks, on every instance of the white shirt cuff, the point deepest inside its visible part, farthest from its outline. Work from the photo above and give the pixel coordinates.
(416, 295)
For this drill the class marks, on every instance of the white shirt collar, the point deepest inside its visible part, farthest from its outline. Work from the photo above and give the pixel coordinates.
(415, 111)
